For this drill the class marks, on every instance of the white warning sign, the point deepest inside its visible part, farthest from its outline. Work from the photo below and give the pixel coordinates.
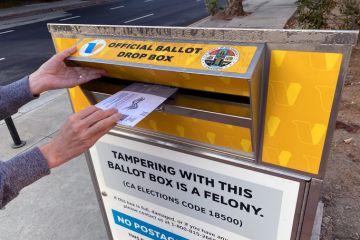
(157, 193)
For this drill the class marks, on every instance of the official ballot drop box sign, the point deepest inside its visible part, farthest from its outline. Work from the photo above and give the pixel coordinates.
(239, 152)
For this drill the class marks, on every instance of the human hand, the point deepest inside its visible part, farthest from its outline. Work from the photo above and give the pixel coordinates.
(54, 74)
(78, 134)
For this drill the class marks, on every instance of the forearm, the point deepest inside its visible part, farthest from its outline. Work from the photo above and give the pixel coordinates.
(13, 96)
(19, 172)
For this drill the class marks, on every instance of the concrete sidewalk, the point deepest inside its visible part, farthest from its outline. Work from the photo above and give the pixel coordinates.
(63, 205)
(263, 14)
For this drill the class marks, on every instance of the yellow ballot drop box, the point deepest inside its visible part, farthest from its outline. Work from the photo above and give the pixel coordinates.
(238, 152)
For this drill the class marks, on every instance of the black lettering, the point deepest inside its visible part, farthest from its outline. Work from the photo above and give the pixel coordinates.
(207, 194)
(168, 58)
(142, 56)
(128, 158)
(160, 58)
(167, 49)
(189, 50)
(168, 182)
(121, 54)
(233, 203)
(152, 177)
(110, 164)
(183, 187)
(149, 165)
(152, 57)
(136, 160)
(120, 156)
(245, 206)
(185, 174)
(256, 210)
(195, 191)
(247, 193)
(197, 50)
(117, 167)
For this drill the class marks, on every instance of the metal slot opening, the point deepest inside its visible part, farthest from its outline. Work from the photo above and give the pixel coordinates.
(216, 107)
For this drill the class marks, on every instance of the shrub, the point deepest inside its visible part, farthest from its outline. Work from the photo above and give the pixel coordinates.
(212, 6)
(313, 13)
(351, 14)
(318, 14)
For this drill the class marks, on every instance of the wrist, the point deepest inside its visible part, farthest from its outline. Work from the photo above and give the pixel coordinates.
(36, 85)
(49, 155)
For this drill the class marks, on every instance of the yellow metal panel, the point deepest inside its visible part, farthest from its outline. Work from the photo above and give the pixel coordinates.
(219, 107)
(64, 43)
(300, 96)
(222, 84)
(228, 136)
(180, 55)
(78, 99)
(223, 135)
(207, 83)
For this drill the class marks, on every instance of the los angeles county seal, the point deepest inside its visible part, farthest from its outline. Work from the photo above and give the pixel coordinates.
(220, 58)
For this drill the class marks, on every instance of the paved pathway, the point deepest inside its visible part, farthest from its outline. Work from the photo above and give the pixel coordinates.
(264, 14)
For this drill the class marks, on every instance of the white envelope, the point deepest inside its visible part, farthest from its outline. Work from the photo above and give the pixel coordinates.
(137, 101)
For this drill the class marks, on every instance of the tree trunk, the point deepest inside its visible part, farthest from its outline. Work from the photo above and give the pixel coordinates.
(234, 8)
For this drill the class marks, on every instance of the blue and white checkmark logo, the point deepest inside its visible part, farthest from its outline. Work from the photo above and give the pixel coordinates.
(92, 48)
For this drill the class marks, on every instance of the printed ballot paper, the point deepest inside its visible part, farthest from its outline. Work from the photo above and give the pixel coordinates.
(136, 101)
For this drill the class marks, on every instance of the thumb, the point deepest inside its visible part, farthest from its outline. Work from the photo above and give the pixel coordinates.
(66, 53)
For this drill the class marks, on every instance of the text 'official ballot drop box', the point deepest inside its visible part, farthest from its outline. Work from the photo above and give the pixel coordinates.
(238, 152)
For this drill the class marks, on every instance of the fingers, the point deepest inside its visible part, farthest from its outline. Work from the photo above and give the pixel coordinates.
(78, 134)
(66, 53)
(97, 116)
(103, 126)
(92, 70)
(91, 115)
(88, 74)
(87, 70)
(103, 132)
(86, 112)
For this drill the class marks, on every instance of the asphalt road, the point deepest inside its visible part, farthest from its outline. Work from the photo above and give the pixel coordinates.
(24, 48)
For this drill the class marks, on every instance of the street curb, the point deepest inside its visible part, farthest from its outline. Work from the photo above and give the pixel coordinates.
(194, 24)
(293, 16)
(53, 9)
(316, 232)
(199, 22)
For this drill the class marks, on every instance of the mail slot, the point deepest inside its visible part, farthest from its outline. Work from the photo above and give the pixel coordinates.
(213, 105)
(237, 152)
